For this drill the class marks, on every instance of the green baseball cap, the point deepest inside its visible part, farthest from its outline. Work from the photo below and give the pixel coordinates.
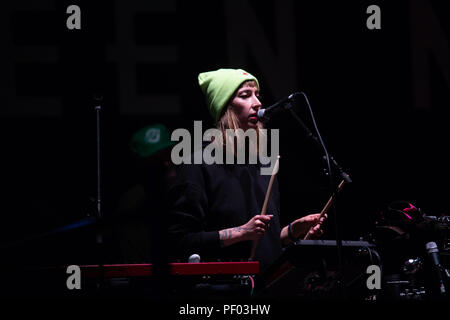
(150, 139)
(220, 85)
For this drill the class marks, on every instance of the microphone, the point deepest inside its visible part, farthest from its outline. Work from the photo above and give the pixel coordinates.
(266, 114)
(433, 251)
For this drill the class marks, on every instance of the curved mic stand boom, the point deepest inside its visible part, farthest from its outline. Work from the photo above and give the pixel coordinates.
(330, 163)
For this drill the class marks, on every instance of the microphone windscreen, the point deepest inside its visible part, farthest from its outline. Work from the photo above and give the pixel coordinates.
(431, 247)
(260, 113)
(195, 258)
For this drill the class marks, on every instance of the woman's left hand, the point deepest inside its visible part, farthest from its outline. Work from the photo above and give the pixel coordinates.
(311, 225)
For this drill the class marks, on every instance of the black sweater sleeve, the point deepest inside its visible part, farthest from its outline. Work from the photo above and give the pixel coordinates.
(188, 232)
(208, 198)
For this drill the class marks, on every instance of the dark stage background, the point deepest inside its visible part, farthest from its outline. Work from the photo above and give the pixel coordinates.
(380, 98)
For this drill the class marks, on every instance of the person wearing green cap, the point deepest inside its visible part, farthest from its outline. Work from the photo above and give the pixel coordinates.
(141, 207)
(220, 85)
(215, 207)
(150, 140)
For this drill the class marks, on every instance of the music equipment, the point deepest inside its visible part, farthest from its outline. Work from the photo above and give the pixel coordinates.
(174, 269)
(202, 279)
(433, 252)
(177, 280)
(264, 115)
(309, 268)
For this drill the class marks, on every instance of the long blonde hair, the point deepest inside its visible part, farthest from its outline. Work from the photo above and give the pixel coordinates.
(229, 120)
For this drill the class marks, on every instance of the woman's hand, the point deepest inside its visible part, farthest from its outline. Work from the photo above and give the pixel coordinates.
(254, 229)
(310, 225)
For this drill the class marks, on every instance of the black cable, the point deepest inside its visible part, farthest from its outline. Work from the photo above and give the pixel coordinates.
(317, 132)
(380, 264)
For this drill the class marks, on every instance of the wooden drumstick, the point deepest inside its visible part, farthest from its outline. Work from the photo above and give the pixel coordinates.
(266, 201)
(327, 206)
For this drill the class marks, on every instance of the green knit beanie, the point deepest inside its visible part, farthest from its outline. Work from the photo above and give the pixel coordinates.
(220, 85)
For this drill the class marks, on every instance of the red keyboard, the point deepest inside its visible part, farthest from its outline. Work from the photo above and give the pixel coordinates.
(176, 269)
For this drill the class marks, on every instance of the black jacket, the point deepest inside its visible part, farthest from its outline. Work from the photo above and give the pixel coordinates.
(208, 198)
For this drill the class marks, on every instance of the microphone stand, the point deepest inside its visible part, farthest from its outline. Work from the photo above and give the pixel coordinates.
(99, 234)
(330, 163)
